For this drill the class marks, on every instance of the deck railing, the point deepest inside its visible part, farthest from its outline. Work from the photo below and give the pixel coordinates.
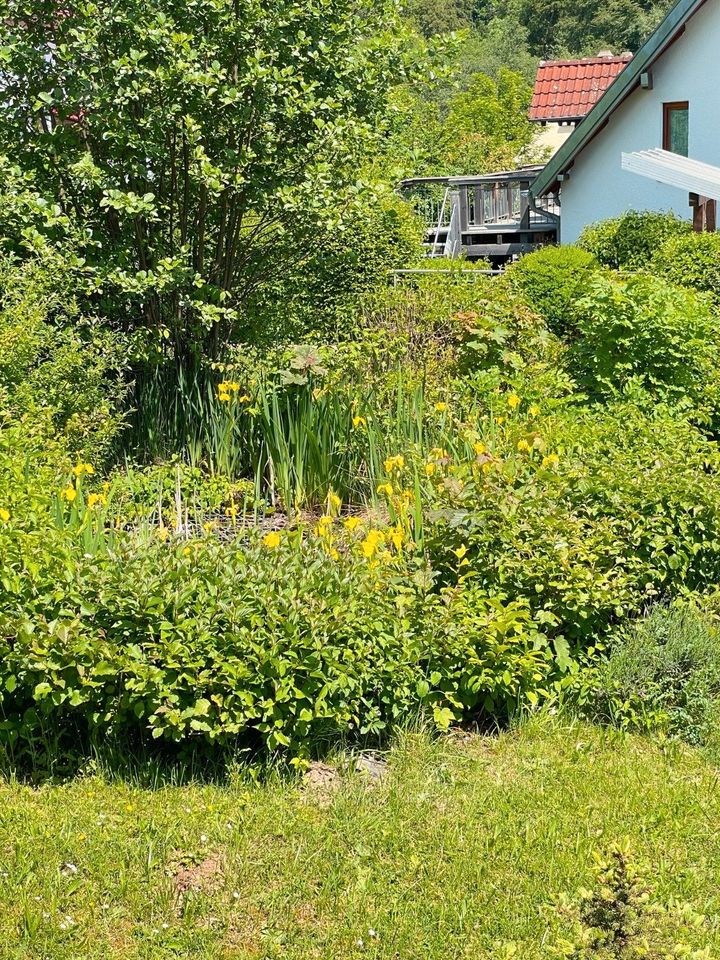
(497, 201)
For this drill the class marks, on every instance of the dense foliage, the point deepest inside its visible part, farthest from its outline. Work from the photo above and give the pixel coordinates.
(664, 675)
(630, 241)
(195, 147)
(257, 490)
(690, 260)
(553, 280)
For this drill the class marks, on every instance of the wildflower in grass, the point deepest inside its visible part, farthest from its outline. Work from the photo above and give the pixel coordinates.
(523, 446)
(69, 493)
(439, 455)
(323, 526)
(224, 397)
(534, 410)
(551, 461)
(372, 543)
(479, 448)
(352, 523)
(441, 407)
(397, 537)
(393, 464)
(386, 488)
(429, 469)
(499, 421)
(333, 554)
(514, 401)
(96, 500)
(334, 502)
(82, 468)
(245, 398)
(4, 514)
(359, 422)
(272, 540)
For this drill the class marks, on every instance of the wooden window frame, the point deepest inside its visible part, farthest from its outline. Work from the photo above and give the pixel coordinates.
(669, 108)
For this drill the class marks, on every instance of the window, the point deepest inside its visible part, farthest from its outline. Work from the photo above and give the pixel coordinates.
(675, 127)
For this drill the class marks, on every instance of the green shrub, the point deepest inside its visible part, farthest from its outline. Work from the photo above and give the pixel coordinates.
(690, 260)
(273, 648)
(647, 332)
(54, 362)
(319, 295)
(630, 241)
(552, 280)
(605, 511)
(665, 674)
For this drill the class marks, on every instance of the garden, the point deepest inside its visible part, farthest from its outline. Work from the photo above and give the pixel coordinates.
(333, 589)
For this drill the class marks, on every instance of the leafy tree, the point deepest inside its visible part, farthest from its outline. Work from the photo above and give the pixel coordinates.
(479, 129)
(432, 17)
(197, 144)
(558, 28)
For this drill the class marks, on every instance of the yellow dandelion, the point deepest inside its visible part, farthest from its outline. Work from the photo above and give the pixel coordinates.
(272, 540)
(499, 421)
(441, 407)
(359, 422)
(429, 469)
(523, 446)
(479, 448)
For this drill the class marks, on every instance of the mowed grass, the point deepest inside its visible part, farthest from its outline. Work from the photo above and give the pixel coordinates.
(459, 849)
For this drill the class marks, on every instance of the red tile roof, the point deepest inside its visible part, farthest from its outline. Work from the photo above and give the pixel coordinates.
(567, 89)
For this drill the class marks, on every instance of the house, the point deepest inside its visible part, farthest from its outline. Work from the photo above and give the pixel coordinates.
(566, 90)
(652, 140)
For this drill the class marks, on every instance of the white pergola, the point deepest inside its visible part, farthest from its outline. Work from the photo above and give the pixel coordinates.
(702, 179)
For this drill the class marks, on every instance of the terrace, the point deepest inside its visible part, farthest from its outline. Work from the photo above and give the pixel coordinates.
(483, 217)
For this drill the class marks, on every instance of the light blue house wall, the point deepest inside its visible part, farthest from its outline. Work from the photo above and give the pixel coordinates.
(597, 187)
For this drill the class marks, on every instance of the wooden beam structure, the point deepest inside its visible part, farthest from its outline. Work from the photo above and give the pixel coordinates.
(482, 217)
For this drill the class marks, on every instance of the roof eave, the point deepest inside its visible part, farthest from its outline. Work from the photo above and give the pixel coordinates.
(619, 89)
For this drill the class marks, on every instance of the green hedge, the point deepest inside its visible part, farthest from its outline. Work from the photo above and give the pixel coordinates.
(646, 333)
(629, 242)
(552, 280)
(690, 260)
(618, 507)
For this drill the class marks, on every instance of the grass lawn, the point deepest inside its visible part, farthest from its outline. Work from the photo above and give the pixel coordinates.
(459, 848)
